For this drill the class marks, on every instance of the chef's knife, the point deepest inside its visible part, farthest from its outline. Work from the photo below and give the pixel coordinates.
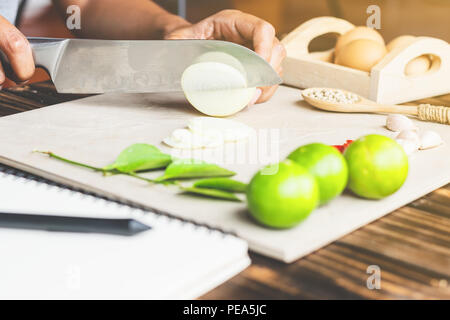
(98, 66)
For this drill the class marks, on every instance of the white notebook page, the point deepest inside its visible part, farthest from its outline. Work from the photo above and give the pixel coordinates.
(174, 259)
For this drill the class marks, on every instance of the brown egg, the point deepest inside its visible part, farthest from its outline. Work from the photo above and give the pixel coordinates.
(358, 33)
(399, 42)
(361, 54)
(418, 66)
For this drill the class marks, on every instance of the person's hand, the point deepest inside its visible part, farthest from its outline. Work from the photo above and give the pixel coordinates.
(16, 47)
(241, 28)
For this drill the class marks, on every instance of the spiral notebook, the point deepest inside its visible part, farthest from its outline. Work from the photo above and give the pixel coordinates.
(175, 259)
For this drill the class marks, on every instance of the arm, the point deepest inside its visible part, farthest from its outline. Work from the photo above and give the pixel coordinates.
(122, 19)
(143, 19)
(113, 19)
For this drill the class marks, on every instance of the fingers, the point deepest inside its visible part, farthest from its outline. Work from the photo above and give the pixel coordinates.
(267, 93)
(2, 76)
(263, 37)
(234, 26)
(16, 47)
(183, 33)
(194, 31)
(277, 56)
(255, 98)
(239, 27)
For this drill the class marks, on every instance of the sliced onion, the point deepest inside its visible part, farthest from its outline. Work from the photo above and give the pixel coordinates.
(216, 89)
(222, 57)
(186, 139)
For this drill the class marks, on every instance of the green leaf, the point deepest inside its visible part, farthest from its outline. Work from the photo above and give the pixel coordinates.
(224, 184)
(211, 193)
(140, 157)
(190, 168)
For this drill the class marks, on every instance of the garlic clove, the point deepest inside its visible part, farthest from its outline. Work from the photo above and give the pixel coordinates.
(410, 135)
(398, 122)
(409, 146)
(430, 139)
(216, 89)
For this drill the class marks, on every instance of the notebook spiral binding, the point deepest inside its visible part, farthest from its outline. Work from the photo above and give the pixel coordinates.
(20, 174)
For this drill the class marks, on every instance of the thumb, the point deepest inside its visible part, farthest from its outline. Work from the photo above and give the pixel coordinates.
(201, 30)
(183, 33)
(16, 47)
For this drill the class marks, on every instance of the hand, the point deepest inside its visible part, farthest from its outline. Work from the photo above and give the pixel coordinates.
(16, 47)
(241, 28)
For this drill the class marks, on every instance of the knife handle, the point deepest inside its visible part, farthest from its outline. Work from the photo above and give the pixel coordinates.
(46, 52)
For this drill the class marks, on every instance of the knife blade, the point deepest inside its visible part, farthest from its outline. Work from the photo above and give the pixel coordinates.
(100, 66)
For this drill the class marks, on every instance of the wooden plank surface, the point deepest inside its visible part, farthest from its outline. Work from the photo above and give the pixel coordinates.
(411, 246)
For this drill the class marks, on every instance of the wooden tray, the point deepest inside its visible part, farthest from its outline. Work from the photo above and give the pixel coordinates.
(386, 83)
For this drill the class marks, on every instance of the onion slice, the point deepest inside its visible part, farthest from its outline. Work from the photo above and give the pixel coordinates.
(186, 139)
(216, 89)
(230, 129)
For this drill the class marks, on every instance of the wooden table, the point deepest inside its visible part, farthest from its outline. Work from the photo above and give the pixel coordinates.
(411, 246)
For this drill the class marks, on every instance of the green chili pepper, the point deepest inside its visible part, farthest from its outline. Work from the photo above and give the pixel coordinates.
(190, 168)
(224, 184)
(211, 193)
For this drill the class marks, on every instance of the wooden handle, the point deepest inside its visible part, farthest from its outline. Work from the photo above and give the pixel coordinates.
(45, 53)
(297, 41)
(7, 69)
(438, 114)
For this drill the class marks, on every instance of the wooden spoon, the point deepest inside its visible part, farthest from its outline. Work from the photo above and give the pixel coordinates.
(425, 112)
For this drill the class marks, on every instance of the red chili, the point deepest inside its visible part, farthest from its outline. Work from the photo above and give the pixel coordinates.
(344, 146)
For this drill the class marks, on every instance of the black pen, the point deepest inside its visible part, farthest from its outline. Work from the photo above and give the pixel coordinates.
(124, 227)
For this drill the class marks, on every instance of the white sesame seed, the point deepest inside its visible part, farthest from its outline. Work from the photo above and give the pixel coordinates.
(331, 95)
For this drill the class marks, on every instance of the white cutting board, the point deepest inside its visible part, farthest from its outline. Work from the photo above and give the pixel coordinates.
(96, 129)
